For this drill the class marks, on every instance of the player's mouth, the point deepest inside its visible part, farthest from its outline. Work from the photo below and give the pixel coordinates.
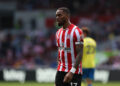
(58, 20)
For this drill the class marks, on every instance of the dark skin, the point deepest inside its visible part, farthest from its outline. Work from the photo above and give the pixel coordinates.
(63, 19)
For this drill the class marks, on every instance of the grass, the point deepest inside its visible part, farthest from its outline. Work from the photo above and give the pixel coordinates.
(25, 84)
(52, 84)
(107, 84)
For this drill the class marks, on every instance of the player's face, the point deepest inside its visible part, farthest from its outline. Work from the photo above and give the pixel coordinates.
(60, 17)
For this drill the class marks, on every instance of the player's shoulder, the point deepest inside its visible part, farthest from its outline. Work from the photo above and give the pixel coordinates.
(78, 29)
(59, 30)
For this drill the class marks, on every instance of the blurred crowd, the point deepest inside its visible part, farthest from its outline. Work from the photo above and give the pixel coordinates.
(101, 16)
(37, 48)
(28, 50)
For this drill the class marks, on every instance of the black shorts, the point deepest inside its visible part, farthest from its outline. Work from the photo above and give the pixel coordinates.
(76, 80)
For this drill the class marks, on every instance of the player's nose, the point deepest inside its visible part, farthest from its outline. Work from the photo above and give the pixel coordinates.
(57, 17)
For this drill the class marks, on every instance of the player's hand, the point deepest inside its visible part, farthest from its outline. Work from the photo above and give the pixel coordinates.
(68, 77)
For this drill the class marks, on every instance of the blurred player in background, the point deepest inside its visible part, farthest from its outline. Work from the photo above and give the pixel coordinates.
(70, 50)
(88, 60)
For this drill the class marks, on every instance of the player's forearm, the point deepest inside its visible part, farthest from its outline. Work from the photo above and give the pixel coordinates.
(78, 60)
(79, 56)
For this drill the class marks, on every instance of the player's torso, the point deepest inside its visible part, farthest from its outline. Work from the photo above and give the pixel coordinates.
(66, 48)
(89, 52)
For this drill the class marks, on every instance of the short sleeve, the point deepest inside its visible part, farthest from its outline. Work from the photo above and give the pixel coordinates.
(79, 36)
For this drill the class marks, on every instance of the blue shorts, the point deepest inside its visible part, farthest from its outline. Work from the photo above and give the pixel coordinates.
(88, 73)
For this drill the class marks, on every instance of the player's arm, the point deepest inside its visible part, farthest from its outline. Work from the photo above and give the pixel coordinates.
(79, 50)
(57, 59)
(57, 45)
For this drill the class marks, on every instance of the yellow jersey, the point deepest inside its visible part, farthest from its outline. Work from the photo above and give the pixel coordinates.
(89, 51)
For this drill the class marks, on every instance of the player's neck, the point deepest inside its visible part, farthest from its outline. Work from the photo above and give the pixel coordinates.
(66, 25)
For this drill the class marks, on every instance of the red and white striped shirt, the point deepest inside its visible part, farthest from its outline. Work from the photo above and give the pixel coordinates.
(66, 40)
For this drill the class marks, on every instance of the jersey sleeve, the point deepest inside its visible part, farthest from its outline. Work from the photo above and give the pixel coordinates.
(79, 36)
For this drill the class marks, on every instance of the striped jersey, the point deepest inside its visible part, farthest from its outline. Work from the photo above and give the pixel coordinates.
(66, 41)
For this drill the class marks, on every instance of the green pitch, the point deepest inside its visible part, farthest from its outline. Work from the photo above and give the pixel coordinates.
(51, 84)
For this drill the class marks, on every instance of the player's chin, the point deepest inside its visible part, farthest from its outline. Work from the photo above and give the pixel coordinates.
(60, 24)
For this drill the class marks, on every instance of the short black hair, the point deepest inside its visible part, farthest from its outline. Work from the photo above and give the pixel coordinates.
(65, 9)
